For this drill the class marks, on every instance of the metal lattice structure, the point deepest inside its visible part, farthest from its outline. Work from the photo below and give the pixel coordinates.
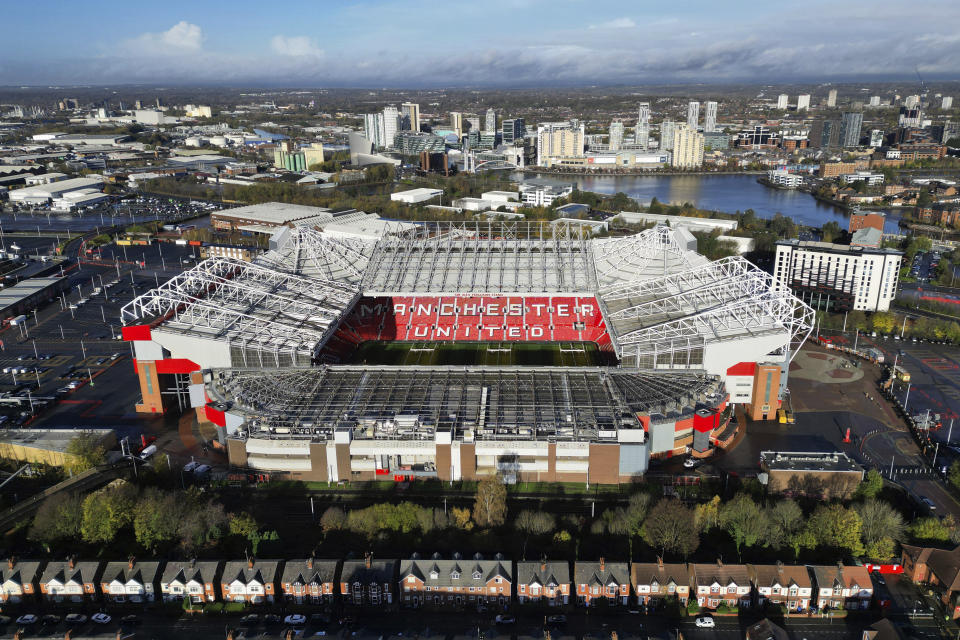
(489, 403)
(251, 307)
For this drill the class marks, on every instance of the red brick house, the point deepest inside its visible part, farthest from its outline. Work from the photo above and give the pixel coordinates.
(602, 581)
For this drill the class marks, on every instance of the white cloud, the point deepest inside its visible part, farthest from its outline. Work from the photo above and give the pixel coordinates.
(181, 38)
(616, 23)
(295, 46)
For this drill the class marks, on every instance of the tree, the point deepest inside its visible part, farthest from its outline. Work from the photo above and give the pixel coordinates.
(878, 521)
(830, 231)
(953, 474)
(57, 520)
(333, 519)
(461, 518)
(535, 523)
(671, 527)
(156, 519)
(86, 451)
(242, 524)
(743, 519)
(490, 504)
(837, 527)
(871, 486)
(707, 514)
(786, 519)
(106, 512)
(929, 529)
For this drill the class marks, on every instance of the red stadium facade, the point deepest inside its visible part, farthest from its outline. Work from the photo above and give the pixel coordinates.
(473, 318)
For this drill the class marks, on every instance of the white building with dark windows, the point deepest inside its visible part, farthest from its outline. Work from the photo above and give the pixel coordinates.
(839, 277)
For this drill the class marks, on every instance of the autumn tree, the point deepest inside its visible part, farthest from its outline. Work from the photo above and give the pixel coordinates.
(837, 527)
(929, 529)
(881, 527)
(58, 520)
(490, 504)
(106, 512)
(535, 523)
(785, 522)
(707, 515)
(671, 527)
(871, 485)
(461, 518)
(86, 451)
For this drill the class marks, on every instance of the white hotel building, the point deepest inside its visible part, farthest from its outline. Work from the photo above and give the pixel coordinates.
(839, 277)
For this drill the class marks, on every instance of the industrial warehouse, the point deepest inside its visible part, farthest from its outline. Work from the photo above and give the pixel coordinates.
(663, 342)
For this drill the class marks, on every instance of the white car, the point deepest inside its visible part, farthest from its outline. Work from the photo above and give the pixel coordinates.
(690, 463)
(27, 619)
(295, 618)
(705, 622)
(101, 618)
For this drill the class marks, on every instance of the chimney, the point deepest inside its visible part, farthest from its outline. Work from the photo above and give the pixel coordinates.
(193, 562)
(249, 562)
(660, 562)
(720, 562)
(601, 564)
(310, 562)
(779, 567)
(543, 566)
(131, 562)
(369, 559)
(11, 562)
(73, 562)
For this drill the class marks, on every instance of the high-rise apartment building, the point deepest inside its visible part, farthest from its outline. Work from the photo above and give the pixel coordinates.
(490, 122)
(391, 125)
(514, 130)
(946, 103)
(411, 116)
(666, 134)
(824, 134)
(850, 126)
(693, 115)
(832, 98)
(373, 128)
(456, 123)
(710, 117)
(803, 102)
(911, 101)
(641, 135)
(473, 123)
(783, 100)
(876, 138)
(874, 101)
(559, 139)
(616, 135)
(687, 147)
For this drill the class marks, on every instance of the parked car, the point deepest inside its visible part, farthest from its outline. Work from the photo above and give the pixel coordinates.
(928, 502)
(505, 619)
(50, 619)
(27, 618)
(705, 622)
(101, 618)
(75, 618)
(295, 618)
(557, 618)
(251, 618)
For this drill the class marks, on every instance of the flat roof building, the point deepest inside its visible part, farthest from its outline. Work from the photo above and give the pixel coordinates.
(26, 295)
(47, 446)
(830, 474)
(46, 192)
(414, 196)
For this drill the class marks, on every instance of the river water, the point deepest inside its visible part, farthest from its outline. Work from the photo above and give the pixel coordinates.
(728, 193)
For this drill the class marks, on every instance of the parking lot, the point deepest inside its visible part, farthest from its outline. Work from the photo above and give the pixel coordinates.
(125, 211)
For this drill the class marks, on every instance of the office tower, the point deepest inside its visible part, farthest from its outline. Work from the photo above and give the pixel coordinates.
(616, 135)
(803, 102)
(947, 103)
(559, 140)
(490, 122)
(911, 101)
(456, 123)
(514, 130)
(373, 128)
(876, 138)
(474, 123)
(693, 114)
(411, 116)
(850, 128)
(832, 98)
(642, 133)
(783, 100)
(824, 133)
(710, 117)
(391, 125)
(874, 101)
(666, 134)
(687, 147)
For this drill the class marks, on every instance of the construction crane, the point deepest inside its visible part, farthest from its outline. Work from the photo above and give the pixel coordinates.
(923, 86)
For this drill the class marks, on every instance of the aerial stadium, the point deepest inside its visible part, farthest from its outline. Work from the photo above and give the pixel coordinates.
(451, 351)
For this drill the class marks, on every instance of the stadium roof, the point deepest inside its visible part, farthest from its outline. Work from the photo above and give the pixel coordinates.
(479, 402)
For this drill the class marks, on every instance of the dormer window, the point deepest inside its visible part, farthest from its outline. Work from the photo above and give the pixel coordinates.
(476, 575)
(837, 590)
(434, 575)
(455, 575)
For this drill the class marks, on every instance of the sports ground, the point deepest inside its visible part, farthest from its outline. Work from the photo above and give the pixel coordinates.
(551, 354)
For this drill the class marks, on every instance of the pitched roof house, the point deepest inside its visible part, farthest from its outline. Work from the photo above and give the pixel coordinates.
(721, 583)
(191, 579)
(131, 581)
(368, 581)
(456, 581)
(658, 580)
(843, 587)
(251, 580)
(610, 580)
(309, 580)
(18, 579)
(70, 580)
(544, 581)
(937, 567)
(785, 584)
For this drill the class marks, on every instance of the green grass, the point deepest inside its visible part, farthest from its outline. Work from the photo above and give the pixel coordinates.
(542, 354)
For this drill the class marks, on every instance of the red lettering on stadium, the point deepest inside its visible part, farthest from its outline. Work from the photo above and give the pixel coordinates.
(472, 318)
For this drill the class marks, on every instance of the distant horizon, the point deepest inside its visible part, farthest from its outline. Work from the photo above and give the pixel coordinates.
(434, 44)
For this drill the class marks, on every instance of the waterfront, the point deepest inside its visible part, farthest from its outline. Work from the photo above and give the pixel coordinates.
(721, 192)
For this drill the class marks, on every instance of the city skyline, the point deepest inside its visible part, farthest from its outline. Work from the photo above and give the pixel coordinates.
(376, 43)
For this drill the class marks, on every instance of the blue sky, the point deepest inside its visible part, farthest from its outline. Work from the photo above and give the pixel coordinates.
(412, 43)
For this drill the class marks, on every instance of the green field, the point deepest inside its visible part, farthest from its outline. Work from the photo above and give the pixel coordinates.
(529, 354)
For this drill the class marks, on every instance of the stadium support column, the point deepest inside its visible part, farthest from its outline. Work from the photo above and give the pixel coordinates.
(149, 387)
(443, 456)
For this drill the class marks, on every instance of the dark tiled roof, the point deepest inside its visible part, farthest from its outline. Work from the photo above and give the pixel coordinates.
(592, 573)
(262, 571)
(722, 574)
(186, 570)
(379, 572)
(543, 573)
(767, 575)
(143, 572)
(456, 572)
(648, 572)
(323, 571)
(82, 572)
(22, 572)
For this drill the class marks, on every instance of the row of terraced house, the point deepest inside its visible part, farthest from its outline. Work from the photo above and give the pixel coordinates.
(438, 582)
